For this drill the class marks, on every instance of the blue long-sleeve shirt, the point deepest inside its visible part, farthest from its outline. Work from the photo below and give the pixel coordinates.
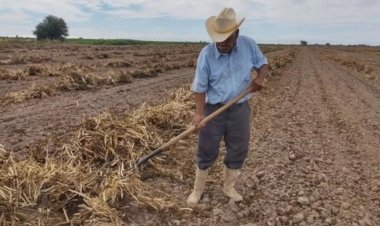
(224, 76)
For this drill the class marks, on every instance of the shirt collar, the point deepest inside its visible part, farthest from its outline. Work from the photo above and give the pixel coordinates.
(218, 54)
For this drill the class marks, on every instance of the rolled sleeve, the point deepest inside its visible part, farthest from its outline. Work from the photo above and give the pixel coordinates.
(200, 83)
(259, 59)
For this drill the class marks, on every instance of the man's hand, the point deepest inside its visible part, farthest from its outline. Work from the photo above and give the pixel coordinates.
(257, 84)
(197, 121)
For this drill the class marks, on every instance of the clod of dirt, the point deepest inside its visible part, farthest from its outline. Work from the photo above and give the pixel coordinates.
(303, 201)
(292, 156)
(298, 218)
(345, 205)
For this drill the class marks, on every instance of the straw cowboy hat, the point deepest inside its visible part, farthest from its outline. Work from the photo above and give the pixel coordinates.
(220, 27)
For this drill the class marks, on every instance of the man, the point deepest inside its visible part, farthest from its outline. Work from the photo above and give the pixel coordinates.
(223, 71)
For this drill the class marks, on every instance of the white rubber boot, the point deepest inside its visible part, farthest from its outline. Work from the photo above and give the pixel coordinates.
(199, 185)
(230, 178)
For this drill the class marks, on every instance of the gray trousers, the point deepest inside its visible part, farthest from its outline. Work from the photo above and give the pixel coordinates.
(234, 125)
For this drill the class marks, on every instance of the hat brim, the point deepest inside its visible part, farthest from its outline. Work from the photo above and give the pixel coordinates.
(216, 36)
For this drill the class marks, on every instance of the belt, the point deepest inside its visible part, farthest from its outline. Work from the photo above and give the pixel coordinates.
(234, 105)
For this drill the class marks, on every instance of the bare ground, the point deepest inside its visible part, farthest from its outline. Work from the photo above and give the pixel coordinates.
(317, 148)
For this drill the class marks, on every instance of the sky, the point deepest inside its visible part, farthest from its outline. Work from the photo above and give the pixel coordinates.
(267, 21)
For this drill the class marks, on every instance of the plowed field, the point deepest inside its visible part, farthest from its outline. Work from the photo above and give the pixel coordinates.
(315, 148)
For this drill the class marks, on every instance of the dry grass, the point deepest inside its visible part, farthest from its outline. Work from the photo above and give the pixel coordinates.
(23, 59)
(121, 76)
(358, 66)
(102, 55)
(353, 64)
(41, 70)
(118, 63)
(5, 74)
(268, 49)
(75, 78)
(279, 62)
(34, 92)
(87, 56)
(31, 70)
(85, 180)
(113, 77)
(145, 73)
(35, 70)
(78, 77)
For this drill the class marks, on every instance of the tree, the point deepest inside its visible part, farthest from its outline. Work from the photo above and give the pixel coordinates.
(51, 28)
(304, 43)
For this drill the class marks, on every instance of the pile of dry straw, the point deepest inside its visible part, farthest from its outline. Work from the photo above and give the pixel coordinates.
(72, 77)
(85, 180)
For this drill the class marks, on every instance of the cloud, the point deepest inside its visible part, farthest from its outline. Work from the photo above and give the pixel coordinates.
(293, 11)
(306, 11)
(295, 15)
(14, 18)
(68, 9)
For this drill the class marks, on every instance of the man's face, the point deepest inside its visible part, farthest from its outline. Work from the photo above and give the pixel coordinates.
(227, 45)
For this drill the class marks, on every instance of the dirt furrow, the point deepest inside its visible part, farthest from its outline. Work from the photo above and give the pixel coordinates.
(357, 127)
(307, 169)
